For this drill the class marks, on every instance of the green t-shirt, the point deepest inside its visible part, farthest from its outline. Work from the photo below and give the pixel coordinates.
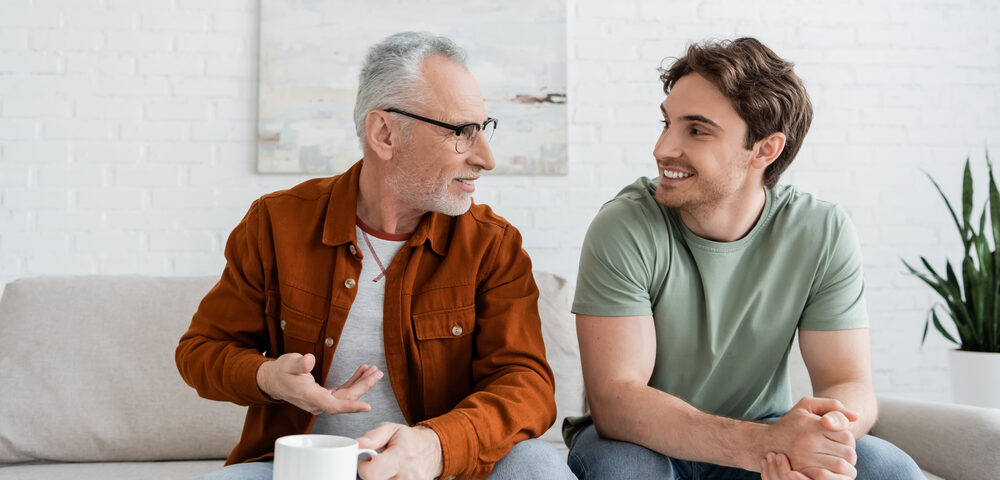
(725, 313)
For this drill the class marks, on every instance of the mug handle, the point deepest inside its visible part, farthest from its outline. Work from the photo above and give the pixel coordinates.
(366, 451)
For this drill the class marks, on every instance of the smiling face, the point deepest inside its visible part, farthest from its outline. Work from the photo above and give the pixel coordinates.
(429, 175)
(701, 154)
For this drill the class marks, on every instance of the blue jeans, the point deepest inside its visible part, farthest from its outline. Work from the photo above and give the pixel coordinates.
(594, 458)
(530, 459)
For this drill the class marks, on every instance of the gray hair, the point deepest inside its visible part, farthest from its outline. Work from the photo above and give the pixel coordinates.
(391, 77)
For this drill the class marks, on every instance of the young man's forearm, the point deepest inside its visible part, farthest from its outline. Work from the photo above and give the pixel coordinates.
(666, 424)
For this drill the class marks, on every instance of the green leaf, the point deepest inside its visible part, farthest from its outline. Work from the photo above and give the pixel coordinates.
(929, 268)
(967, 194)
(993, 331)
(973, 301)
(951, 210)
(952, 279)
(994, 201)
(966, 335)
(927, 324)
(985, 256)
(940, 328)
(938, 285)
(949, 290)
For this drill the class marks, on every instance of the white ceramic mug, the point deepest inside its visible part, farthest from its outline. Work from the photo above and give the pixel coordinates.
(317, 457)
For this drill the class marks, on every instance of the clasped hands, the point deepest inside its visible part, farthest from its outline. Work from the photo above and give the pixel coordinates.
(812, 442)
(406, 452)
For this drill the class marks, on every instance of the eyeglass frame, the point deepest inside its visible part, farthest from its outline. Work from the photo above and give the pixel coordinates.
(455, 128)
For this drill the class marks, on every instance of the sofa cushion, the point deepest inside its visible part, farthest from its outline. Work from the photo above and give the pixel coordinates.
(561, 349)
(111, 471)
(89, 374)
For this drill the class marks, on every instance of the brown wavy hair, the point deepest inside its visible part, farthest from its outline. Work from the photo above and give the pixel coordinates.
(762, 88)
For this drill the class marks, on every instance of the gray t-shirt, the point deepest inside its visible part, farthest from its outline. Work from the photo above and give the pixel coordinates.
(725, 314)
(361, 342)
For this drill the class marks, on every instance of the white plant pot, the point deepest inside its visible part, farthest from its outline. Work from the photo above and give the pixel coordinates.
(975, 378)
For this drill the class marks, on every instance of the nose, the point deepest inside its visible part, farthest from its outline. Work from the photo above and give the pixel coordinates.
(666, 146)
(481, 155)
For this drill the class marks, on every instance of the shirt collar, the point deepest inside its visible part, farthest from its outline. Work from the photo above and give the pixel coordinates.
(342, 214)
(433, 228)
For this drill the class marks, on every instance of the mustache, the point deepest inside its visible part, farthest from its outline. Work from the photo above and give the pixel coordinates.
(472, 175)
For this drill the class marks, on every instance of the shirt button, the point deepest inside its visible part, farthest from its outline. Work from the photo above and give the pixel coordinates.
(350, 283)
(456, 330)
(328, 342)
(353, 250)
(282, 324)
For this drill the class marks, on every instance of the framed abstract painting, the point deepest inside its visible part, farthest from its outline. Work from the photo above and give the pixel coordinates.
(310, 58)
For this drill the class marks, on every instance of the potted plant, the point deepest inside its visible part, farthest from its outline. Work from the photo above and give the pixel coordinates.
(971, 299)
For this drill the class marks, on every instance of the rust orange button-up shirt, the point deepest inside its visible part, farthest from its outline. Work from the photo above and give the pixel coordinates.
(463, 341)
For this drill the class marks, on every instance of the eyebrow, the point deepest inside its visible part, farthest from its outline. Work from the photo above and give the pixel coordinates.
(694, 118)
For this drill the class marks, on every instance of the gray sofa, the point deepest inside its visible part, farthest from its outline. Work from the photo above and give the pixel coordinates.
(90, 389)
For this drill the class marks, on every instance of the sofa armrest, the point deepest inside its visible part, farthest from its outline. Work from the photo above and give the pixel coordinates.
(957, 442)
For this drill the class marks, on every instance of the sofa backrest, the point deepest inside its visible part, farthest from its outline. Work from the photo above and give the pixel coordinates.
(88, 370)
(798, 376)
(561, 348)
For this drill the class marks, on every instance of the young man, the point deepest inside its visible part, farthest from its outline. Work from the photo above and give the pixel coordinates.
(693, 284)
(389, 266)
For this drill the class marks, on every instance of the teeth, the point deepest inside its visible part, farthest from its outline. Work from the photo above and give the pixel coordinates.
(675, 175)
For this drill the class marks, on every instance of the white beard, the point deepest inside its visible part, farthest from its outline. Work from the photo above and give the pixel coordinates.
(420, 191)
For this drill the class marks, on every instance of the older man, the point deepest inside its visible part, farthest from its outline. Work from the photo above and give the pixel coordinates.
(391, 267)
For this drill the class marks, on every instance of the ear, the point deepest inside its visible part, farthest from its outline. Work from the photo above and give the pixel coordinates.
(378, 134)
(767, 149)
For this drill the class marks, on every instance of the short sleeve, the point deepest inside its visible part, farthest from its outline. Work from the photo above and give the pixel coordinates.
(837, 301)
(616, 263)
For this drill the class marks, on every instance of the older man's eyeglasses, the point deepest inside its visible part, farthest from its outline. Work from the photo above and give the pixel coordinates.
(465, 134)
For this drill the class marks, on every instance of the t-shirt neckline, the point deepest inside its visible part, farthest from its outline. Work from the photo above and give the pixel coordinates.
(724, 247)
(389, 237)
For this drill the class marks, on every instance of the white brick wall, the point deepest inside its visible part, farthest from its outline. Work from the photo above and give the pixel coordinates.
(127, 128)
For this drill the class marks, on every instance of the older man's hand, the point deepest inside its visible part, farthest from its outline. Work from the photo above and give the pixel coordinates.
(288, 379)
(408, 453)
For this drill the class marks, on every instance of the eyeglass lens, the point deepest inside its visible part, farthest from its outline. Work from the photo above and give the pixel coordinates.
(468, 136)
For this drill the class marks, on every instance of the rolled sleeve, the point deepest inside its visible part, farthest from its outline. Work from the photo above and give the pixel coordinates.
(458, 444)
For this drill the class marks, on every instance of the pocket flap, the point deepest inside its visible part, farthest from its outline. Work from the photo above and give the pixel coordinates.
(300, 326)
(445, 324)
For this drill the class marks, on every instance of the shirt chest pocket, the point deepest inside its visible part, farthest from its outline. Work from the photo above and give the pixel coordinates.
(441, 325)
(301, 318)
(446, 344)
(296, 325)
